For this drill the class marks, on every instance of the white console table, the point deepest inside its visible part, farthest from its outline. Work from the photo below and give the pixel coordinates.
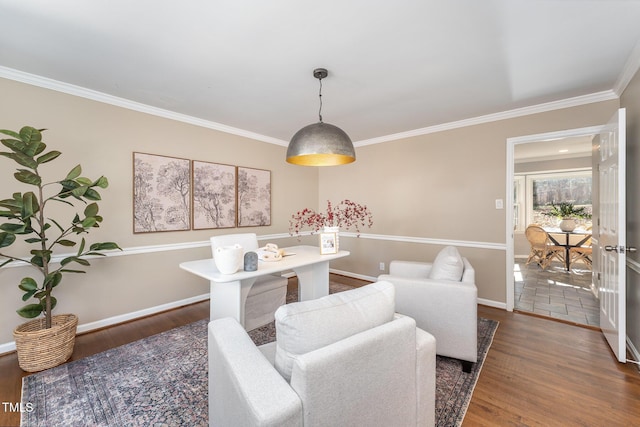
(229, 291)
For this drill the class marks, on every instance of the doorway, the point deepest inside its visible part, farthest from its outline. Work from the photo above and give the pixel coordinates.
(552, 292)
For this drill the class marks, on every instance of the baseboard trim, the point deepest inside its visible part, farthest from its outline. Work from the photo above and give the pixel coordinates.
(634, 351)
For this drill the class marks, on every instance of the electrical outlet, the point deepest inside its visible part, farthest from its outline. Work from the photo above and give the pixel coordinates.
(382, 266)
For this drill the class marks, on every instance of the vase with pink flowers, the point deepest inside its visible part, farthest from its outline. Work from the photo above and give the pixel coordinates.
(343, 216)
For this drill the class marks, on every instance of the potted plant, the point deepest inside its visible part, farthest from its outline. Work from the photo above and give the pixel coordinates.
(346, 215)
(567, 212)
(47, 341)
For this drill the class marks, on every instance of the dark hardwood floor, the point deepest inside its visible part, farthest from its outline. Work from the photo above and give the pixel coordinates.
(538, 372)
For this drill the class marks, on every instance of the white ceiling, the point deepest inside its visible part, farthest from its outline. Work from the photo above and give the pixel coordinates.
(564, 148)
(394, 66)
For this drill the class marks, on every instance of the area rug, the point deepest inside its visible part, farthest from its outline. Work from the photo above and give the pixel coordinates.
(162, 380)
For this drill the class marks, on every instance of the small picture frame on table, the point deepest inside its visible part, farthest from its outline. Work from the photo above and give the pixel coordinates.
(328, 243)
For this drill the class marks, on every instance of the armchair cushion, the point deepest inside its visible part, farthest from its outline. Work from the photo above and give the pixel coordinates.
(448, 265)
(306, 326)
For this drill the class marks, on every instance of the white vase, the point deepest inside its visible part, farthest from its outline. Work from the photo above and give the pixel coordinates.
(567, 224)
(228, 259)
(335, 230)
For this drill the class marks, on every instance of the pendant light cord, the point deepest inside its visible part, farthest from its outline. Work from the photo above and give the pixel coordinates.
(320, 96)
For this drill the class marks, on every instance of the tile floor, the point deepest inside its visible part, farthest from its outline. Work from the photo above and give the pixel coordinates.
(555, 292)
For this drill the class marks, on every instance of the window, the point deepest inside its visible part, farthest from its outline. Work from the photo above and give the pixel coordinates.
(533, 195)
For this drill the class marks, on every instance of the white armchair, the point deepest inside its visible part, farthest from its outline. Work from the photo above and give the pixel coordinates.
(267, 293)
(443, 302)
(344, 359)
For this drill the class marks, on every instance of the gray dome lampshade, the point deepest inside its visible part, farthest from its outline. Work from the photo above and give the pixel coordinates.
(320, 144)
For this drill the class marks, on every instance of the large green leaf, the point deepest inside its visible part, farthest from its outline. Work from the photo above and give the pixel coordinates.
(6, 239)
(29, 134)
(13, 228)
(79, 191)
(89, 222)
(38, 147)
(30, 311)
(105, 246)
(74, 173)
(29, 205)
(84, 181)
(48, 157)
(28, 295)
(15, 204)
(24, 160)
(28, 284)
(10, 133)
(15, 145)
(102, 182)
(27, 177)
(91, 210)
(92, 194)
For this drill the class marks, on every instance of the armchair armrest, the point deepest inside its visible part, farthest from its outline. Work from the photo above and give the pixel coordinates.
(426, 377)
(410, 269)
(244, 388)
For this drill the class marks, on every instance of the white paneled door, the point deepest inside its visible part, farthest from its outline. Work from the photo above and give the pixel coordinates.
(611, 249)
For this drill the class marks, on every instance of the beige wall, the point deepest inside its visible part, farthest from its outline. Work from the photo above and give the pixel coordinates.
(630, 100)
(102, 138)
(425, 192)
(440, 189)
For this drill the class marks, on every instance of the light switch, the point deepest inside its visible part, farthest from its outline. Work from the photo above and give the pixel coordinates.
(499, 204)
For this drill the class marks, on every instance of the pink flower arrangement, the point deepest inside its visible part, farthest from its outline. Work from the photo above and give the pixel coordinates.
(346, 214)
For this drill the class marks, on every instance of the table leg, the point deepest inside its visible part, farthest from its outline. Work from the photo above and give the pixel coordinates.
(313, 280)
(228, 299)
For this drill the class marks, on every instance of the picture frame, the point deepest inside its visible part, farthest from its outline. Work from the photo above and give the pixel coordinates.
(214, 203)
(161, 193)
(254, 197)
(328, 243)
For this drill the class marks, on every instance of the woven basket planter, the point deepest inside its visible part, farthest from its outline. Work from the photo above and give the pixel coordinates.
(40, 348)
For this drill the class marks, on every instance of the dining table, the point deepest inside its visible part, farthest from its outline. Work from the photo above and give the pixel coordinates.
(568, 239)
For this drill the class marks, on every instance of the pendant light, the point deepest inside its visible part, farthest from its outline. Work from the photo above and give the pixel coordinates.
(320, 144)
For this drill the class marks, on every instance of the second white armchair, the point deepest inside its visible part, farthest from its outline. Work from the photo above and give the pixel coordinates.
(443, 299)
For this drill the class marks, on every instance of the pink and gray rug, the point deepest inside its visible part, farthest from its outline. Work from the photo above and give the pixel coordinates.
(162, 381)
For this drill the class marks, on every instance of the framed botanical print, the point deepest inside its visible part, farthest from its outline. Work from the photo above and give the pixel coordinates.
(254, 197)
(161, 193)
(214, 195)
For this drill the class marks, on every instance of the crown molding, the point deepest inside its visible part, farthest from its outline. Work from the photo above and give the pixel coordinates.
(510, 114)
(632, 65)
(46, 83)
(630, 69)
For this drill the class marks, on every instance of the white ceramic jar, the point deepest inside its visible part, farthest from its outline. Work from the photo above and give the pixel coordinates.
(228, 259)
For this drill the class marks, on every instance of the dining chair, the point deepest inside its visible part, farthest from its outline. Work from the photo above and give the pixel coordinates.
(543, 251)
(583, 253)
